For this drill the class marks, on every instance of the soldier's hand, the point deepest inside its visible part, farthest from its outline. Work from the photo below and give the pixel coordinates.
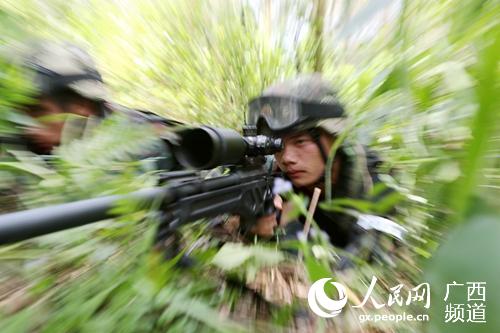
(264, 227)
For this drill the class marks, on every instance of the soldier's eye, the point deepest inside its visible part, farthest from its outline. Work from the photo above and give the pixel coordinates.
(301, 141)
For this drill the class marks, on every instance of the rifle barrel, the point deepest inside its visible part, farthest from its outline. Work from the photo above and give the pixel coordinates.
(217, 194)
(26, 224)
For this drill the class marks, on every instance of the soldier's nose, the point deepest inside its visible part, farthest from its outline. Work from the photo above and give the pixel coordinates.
(288, 156)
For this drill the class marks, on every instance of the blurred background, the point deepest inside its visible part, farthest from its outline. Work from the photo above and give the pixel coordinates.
(419, 78)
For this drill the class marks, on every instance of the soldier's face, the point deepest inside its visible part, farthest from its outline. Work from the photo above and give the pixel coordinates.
(301, 158)
(50, 114)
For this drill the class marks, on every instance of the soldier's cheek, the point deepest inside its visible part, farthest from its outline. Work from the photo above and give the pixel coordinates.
(46, 138)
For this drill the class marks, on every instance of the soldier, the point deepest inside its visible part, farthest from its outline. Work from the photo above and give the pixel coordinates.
(67, 85)
(70, 92)
(69, 98)
(306, 114)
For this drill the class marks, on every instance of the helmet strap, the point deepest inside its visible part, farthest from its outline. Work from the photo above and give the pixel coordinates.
(316, 134)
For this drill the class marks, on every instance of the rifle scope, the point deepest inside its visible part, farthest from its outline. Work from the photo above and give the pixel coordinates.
(208, 147)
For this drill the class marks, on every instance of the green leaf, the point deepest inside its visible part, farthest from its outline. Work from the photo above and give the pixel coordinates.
(27, 168)
(234, 255)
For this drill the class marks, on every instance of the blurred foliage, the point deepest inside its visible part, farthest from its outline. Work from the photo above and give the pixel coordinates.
(464, 259)
(420, 80)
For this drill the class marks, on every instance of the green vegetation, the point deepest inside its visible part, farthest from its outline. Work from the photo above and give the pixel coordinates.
(420, 79)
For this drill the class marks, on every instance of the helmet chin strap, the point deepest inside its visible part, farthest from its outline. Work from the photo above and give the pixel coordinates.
(315, 134)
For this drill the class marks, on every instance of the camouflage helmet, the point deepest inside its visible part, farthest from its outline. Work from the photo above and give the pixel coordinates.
(59, 66)
(302, 103)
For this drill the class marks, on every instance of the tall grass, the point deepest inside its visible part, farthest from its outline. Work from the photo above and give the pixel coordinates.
(419, 79)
